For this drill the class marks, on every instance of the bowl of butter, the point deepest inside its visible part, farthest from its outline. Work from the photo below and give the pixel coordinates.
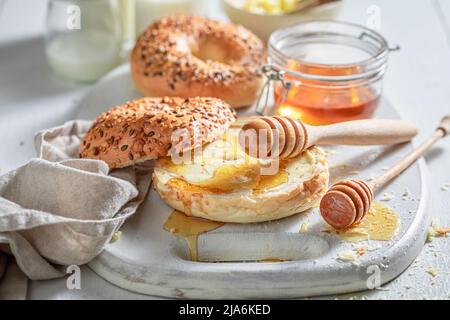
(265, 16)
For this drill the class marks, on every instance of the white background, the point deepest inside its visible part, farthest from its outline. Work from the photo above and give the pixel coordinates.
(417, 83)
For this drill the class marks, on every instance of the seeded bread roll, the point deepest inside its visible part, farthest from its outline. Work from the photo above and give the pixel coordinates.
(187, 56)
(225, 184)
(143, 129)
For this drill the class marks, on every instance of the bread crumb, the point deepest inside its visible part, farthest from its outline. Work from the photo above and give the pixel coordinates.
(387, 197)
(405, 195)
(361, 251)
(116, 236)
(435, 231)
(431, 231)
(432, 271)
(442, 232)
(347, 256)
(304, 227)
(430, 235)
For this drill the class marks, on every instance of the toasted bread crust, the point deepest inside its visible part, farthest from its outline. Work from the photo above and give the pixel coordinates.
(142, 129)
(187, 56)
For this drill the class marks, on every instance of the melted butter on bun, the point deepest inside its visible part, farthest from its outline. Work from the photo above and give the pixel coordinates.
(221, 166)
(223, 183)
(267, 182)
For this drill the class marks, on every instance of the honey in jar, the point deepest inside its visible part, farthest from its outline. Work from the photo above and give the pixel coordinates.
(335, 70)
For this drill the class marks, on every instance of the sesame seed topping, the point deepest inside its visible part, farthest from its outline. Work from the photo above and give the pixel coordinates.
(161, 55)
(149, 124)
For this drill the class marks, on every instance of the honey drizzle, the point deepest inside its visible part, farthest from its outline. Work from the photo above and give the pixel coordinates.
(272, 181)
(189, 228)
(267, 182)
(222, 180)
(380, 223)
(231, 177)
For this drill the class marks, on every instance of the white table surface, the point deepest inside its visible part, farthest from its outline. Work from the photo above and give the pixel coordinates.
(417, 83)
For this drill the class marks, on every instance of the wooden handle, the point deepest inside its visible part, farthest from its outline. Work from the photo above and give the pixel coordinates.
(287, 138)
(348, 201)
(362, 132)
(441, 131)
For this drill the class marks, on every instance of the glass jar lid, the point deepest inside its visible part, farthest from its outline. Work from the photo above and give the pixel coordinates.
(329, 51)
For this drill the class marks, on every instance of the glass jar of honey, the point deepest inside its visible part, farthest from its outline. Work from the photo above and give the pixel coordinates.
(326, 71)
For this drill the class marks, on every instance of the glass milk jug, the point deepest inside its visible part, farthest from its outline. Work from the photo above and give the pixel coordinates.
(87, 38)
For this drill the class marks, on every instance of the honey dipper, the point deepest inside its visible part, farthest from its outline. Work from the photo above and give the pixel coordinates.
(348, 201)
(286, 138)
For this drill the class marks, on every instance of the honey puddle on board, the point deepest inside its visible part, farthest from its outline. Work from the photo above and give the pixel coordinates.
(189, 228)
(380, 223)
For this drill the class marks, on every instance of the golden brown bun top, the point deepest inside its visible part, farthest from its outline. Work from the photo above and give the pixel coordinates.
(143, 129)
(162, 50)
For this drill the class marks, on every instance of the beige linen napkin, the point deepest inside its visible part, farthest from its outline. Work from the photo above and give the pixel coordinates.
(14, 283)
(58, 210)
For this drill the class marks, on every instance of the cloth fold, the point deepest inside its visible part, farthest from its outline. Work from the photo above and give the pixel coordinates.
(58, 210)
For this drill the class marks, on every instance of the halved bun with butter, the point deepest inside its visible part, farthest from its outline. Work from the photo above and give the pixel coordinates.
(144, 129)
(222, 183)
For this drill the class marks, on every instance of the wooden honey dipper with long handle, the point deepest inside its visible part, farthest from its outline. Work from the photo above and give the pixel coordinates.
(348, 201)
(286, 138)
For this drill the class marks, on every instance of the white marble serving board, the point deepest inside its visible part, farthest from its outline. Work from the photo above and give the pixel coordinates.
(149, 260)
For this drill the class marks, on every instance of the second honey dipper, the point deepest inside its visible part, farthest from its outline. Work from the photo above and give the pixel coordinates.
(286, 138)
(347, 202)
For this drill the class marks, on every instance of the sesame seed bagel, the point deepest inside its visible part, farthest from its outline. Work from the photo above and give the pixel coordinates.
(144, 129)
(230, 188)
(187, 56)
